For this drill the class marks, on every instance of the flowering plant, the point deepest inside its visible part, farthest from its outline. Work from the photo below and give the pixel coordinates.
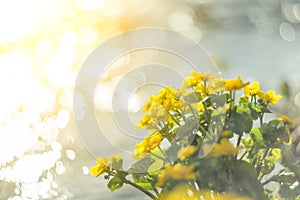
(205, 143)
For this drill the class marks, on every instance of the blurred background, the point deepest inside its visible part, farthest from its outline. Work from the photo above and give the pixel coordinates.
(43, 44)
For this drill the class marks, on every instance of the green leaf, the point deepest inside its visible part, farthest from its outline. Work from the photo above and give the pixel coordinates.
(267, 167)
(146, 186)
(115, 183)
(257, 137)
(191, 98)
(186, 129)
(254, 111)
(218, 100)
(141, 166)
(244, 101)
(275, 155)
(172, 151)
(242, 109)
(117, 164)
(156, 166)
(286, 179)
(287, 192)
(245, 180)
(240, 121)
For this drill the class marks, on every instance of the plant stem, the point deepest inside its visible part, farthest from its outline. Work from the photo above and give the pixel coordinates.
(157, 156)
(271, 178)
(243, 155)
(140, 188)
(166, 156)
(155, 190)
(174, 119)
(238, 144)
(204, 89)
(192, 110)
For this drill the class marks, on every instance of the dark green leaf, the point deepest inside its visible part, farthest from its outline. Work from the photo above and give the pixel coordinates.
(286, 179)
(115, 183)
(240, 121)
(186, 129)
(141, 166)
(257, 137)
(156, 166)
(146, 186)
(117, 164)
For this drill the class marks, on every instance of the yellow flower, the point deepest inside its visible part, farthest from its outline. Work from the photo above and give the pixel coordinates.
(225, 148)
(144, 122)
(200, 88)
(252, 90)
(148, 144)
(198, 77)
(198, 106)
(103, 165)
(157, 111)
(269, 97)
(216, 85)
(203, 76)
(176, 172)
(186, 152)
(162, 178)
(285, 119)
(166, 97)
(234, 84)
(189, 82)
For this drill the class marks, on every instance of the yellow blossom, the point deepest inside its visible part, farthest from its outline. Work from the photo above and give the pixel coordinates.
(166, 98)
(186, 152)
(202, 89)
(225, 148)
(198, 77)
(148, 144)
(285, 119)
(269, 97)
(189, 82)
(252, 90)
(216, 85)
(176, 172)
(103, 165)
(234, 84)
(144, 122)
(198, 106)
(203, 76)
(157, 111)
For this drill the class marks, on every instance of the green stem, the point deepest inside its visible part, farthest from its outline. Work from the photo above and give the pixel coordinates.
(165, 155)
(155, 190)
(261, 118)
(243, 155)
(271, 178)
(204, 89)
(238, 143)
(174, 119)
(140, 188)
(192, 110)
(157, 156)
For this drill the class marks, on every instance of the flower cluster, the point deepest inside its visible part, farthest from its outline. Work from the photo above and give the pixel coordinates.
(202, 135)
(149, 143)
